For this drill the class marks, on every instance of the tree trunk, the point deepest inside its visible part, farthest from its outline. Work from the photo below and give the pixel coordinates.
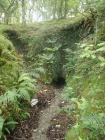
(66, 9)
(54, 9)
(6, 19)
(60, 14)
(23, 12)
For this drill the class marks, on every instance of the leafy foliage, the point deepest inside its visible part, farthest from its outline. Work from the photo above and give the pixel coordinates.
(87, 82)
(15, 87)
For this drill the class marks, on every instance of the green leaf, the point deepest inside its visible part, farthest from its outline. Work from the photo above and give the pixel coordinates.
(101, 49)
(1, 125)
(101, 59)
(23, 93)
(11, 123)
(101, 44)
(24, 77)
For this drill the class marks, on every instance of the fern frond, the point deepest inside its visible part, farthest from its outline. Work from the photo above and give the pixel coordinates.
(24, 77)
(8, 97)
(94, 121)
(24, 94)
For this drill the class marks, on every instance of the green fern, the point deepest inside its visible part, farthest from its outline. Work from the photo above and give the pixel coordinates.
(94, 122)
(16, 86)
(24, 94)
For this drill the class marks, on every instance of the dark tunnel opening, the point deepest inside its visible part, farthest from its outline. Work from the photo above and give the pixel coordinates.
(59, 82)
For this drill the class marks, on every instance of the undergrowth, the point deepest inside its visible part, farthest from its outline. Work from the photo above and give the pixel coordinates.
(85, 88)
(16, 88)
(50, 52)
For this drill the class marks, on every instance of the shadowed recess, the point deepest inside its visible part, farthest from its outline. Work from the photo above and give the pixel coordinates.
(59, 82)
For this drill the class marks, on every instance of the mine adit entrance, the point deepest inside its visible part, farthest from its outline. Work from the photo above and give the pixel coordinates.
(59, 82)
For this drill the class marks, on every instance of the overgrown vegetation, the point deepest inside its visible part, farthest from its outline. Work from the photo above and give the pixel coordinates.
(85, 86)
(15, 87)
(87, 92)
(44, 44)
(72, 48)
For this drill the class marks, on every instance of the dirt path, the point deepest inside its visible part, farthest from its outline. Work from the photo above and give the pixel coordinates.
(46, 121)
(46, 115)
